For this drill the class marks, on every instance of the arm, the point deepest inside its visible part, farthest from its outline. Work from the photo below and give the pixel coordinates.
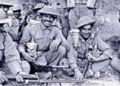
(56, 37)
(72, 56)
(12, 57)
(107, 52)
(25, 38)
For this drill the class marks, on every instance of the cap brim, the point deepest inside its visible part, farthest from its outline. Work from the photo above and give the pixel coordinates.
(83, 24)
(55, 14)
(7, 5)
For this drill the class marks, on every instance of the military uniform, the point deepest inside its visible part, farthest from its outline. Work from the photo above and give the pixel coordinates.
(44, 37)
(78, 8)
(14, 25)
(8, 46)
(10, 62)
(14, 28)
(4, 3)
(94, 45)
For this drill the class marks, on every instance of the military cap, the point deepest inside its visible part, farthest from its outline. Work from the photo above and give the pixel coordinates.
(39, 6)
(3, 17)
(49, 10)
(85, 21)
(16, 8)
(5, 3)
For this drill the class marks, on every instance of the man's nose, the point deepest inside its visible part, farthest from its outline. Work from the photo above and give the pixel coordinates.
(87, 31)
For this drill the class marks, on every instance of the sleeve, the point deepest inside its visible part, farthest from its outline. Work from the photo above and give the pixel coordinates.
(103, 47)
(69, 39)
(11, 54)
(72, 55)
(26, 35)
(10, 51)
(57, 34)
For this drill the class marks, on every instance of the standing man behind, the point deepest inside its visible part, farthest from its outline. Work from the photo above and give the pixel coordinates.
(15, 23)
(79, 8)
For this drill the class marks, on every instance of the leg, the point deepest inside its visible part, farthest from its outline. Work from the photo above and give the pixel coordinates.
(115, 64)
(72, 18)
(25, 66)
(68, 71)
(53, 58)
(97, 67)
(64, 21)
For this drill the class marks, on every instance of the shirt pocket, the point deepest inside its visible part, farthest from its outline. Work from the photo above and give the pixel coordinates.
(39, 41)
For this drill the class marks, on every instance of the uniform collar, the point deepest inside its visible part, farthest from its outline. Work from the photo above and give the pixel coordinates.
(89, 40)
(44, 28)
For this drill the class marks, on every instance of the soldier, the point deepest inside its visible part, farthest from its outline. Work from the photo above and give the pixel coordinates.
(63, 11)
(92, 53)
(10, 62)
(47, 40)
(79, 8)
(49, 51)
(114, 43)
(34, 15)
(5, 6)
(15, 23)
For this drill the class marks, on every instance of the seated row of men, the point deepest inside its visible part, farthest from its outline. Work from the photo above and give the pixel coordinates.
(42, 43)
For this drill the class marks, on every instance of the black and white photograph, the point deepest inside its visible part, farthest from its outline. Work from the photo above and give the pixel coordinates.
(59, 42)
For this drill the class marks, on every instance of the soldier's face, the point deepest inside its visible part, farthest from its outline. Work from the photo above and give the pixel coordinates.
(6, 8)
(86, 31)
(47, 20)
(17, 14)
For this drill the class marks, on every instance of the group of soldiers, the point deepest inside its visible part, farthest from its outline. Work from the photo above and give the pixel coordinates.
(38, 40)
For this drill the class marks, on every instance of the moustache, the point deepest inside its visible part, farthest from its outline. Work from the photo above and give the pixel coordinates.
(47, 21)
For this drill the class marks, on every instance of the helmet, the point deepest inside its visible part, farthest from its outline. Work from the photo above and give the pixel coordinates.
(16, 8)
(85, 21)
(3, 17)
(49, 10)
(5, 3)
(38, 6)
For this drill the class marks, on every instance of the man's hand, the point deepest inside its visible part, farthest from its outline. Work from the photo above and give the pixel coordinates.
(78, 74)
(2, 77)
(54, 45)
(91, 57)
(19, 77)
(28, 57)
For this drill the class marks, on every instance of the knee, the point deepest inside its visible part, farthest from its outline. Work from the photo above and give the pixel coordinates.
(115, 62)
(62, 50)
(26, 67)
